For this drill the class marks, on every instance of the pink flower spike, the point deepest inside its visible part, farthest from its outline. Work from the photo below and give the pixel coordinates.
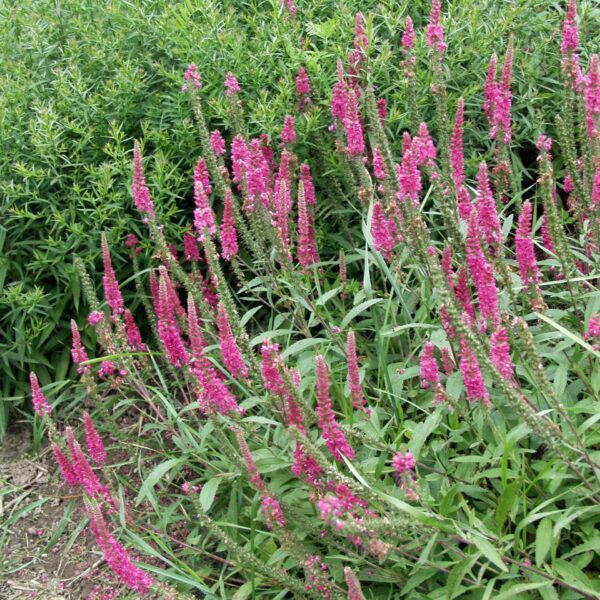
(307, 247)
(501, 120)
(430, 374)
(592, 99)
(307, 182)
(204, 217)
(201, 175)
(383, 231)
(353, 126)
(78, 352)
(272, 511)
(134, 337)
(288, 133)
(93, 441)
(354, 589)
(65, 466)
(489, 223)
(408, 36)
(217, 143)
(472, 377)
(378, 164)
(168, 327)
(482, 273)
(190, 248)
(382, 111)
(403, 462)
(109, 280)
(115, 554)
(424, 147)
(141, 194)
(332, 434)
(95, 317)
(409, 176)
(595, 200)
(490, 90)
(339, 96)
(500, 353)
(435, 31)
(302, 89)
(85, 475)
(229, 242)
(593, 330)
(192, 75)
(570, 33)
(528, 268)
(230, 352)
(231, 85)
(358, 399)
(40, 404)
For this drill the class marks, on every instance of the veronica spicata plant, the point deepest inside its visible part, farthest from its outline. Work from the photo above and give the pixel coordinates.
(404, 409)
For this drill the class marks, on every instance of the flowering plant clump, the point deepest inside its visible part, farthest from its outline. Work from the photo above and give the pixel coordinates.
(404, 409)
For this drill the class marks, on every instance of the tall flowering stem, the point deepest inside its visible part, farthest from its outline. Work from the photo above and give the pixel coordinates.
(335, 439)
(141, 194)
(358, 398)
(109, 280)
(229, 349)
(528, 268)
(40, 404)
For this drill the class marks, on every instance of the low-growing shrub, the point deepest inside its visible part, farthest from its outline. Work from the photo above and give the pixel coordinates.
(392, 396)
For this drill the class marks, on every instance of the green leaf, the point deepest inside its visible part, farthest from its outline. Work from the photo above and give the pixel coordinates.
(520, 588)
(506, 503)
(490, 552)
(543, 541)
(423, 431)
(358, 309)
(208, 492)
(146, 491)
(569, 334)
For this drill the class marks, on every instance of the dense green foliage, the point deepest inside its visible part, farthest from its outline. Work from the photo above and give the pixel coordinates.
(79, 80)
(239, 469)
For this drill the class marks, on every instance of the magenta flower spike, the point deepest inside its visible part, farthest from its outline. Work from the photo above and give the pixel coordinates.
(408, 35)
(472, 377)
(65, 466)
(503, 101)
(40, 404)
(93, 441)
(383, 231)
(192, 76)
(358, 398)
(528, 268)
(403, 462)
(593, 330)
(339, 96)
(134, 337)
(217, 143)
(462, 292)
(288, 133)
(78, 352)
(82, 469)
(490, 90)
(430, 374)
(240, 159)
(232, 358)
(595, 199)
(570, 32)
(201, 175)
(307, 247)
(272, 511)
(435, 31)
(409, 176)
(204, 217)
(231, 84)
(190, 248)
(307, 182)
(353, 126)
(302, 89)
(489, 223)
(332, 434)
(115, 554)
(592, 99)
(482, 273)
(424, 147)
(141, 194)
(109, 280)
(500, 353)
(168, 327)
(95, 317)
(457, 162)
(229, 242)
(378, 164)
